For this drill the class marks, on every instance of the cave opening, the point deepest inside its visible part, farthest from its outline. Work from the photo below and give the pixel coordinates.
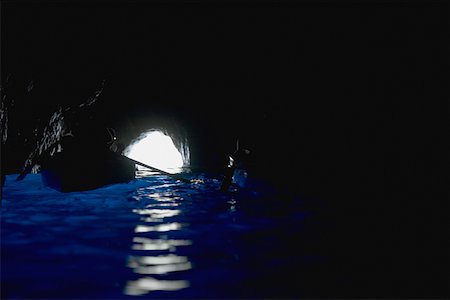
(158, 149)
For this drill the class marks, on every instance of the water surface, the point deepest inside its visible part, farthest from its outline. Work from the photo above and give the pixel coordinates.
(161, 238)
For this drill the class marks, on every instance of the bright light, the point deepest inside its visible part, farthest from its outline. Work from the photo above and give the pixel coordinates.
(156, 150)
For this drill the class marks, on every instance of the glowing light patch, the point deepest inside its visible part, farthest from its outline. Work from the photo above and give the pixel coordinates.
(145, 285)
(151, 244)
(163, 269)
(156, 150)
(158, 213)
(136, 261)
(158, 228)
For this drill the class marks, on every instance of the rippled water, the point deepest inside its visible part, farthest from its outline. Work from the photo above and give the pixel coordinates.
(159, 238)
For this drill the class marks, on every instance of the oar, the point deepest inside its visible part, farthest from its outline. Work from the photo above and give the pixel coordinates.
(175, 176)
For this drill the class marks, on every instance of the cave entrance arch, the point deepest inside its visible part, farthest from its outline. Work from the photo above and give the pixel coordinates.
(157, 149)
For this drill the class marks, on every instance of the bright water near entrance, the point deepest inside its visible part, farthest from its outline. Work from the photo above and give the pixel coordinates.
(160, 238)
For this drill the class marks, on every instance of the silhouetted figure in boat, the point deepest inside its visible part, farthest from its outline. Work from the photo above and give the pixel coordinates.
(86, 162)
(113, 144)
(236, 161)
(94, 145)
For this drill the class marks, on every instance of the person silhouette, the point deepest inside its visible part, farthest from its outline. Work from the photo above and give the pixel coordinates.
(236, 160)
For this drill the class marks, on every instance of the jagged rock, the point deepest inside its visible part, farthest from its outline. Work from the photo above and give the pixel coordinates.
(65, 122)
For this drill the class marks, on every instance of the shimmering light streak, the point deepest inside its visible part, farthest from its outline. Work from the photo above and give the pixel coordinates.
(157, 244)
(162, 269)
(167, 204)
(135, 261)
(145, 285)
(158, 213)
(163, 197)
(158, 228)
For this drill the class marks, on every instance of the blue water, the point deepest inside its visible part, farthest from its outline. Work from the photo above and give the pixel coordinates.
(160, 238)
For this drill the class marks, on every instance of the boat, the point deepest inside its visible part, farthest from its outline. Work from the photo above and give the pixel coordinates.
(78, 152)
(71, 171)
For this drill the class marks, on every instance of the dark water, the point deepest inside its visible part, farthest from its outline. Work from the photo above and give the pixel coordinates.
(159, 238)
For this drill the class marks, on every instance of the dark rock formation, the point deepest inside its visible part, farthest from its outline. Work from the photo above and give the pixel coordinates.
(63, 123)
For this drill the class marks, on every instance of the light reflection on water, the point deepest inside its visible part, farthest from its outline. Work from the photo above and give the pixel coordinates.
(136, 261)
(158, 244)
(157, 213)
(163, 269)
(145, 285)
(154, 237)
(155, 254)
(142, 173)
(158, 228)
